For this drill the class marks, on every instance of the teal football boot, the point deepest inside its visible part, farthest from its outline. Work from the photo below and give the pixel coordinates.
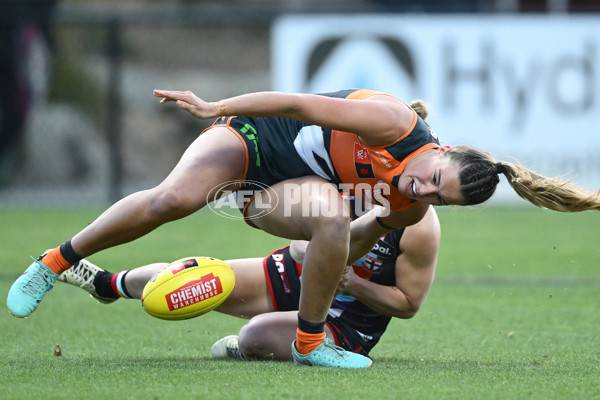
(330, 355)
(29, 289)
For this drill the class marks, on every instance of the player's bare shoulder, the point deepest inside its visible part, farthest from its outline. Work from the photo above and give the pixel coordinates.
(404, 114)
(424, 235)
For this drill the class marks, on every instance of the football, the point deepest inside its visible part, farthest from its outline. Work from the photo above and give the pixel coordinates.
(188, 288)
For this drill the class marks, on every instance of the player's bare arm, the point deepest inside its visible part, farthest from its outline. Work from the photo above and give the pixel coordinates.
(380, 120)
(415, 269)
(366, 230)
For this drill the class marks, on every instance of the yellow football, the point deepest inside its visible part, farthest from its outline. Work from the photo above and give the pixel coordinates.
(188, 288)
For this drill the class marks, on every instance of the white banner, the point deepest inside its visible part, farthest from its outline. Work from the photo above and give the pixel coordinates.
(524, 88)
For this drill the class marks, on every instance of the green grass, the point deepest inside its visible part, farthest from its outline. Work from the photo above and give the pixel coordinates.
(514, 313)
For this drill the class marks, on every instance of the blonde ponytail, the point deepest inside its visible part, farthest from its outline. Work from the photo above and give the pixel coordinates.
(551, 193)
(420, 108)
(478, 176)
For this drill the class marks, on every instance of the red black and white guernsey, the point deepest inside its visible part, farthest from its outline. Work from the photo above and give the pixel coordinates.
(355, 326)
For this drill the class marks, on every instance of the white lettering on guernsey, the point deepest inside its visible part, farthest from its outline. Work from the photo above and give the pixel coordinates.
(365, 337)
(335, 312)
(383, 159)
(309, 143)
(279, 263)
(383, 250)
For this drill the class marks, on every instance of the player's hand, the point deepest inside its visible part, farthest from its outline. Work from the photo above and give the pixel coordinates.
(347, 280)
(189, 102)
(298, 250)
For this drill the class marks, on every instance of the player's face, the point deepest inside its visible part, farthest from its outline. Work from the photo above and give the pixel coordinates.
(432, 178)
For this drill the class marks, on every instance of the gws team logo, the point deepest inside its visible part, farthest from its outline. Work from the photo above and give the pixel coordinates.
(362, 162)
(194, 292)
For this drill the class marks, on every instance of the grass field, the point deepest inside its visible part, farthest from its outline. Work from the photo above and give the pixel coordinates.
(514, 313)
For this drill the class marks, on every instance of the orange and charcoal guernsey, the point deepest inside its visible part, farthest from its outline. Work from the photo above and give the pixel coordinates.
(281, 148)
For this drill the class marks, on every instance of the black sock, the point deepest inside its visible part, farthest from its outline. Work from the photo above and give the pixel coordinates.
(102, 283)
(66, 250)
(310, 327)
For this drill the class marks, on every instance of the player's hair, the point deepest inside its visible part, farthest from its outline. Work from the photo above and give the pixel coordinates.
(420, 108)
(478, 176)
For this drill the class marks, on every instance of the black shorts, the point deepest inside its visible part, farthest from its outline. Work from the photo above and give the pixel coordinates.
(283, 280)
(270, 153)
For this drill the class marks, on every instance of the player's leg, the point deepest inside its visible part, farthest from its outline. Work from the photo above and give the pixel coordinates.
(213, 158)
(249, 297)
(311, 209)
(105, 286)
(266, 337)
(216, 157)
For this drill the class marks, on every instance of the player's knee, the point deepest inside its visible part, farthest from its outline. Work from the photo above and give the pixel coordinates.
(246, 339)
(252, 344)
(336, 227)
(340, 222)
